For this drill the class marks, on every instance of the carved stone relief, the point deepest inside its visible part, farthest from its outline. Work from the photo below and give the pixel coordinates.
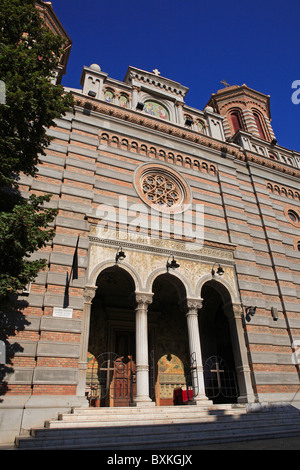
(145, 261)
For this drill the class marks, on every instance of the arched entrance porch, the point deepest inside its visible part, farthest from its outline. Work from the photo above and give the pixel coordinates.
(170, 358)
(225, 364)
(143, 334)
(111, 374)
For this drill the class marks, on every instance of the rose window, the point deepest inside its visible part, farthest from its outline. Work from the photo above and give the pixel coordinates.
(160, 190)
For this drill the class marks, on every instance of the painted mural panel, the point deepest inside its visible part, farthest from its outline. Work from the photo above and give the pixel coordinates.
(109, 96)
(156, 109)
(123, 101)
(170, 377)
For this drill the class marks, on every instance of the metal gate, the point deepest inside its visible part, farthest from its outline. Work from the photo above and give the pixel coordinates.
(112, 380)
(220, 381)
(152, 375)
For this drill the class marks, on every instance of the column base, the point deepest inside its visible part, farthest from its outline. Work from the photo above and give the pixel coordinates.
(246, 399)
(200, 400)
(143, 401)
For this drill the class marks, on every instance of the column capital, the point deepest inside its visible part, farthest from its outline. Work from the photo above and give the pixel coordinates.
(191, 305)
(144, 298)
(89, 293)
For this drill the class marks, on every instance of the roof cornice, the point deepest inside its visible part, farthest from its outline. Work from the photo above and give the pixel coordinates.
(227, 149)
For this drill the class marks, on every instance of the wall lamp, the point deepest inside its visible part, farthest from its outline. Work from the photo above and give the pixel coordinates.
(140, 106)
(188, 122)
(172, 265)
(220, 270)
(250, 312)
(120, 255)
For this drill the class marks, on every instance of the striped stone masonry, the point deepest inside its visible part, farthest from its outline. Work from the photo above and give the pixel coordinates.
(91, 161)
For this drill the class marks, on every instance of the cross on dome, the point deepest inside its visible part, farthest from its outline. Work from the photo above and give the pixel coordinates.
(225, 83)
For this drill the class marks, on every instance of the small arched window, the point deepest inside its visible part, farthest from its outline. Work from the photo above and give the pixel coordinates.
(123, 101)
(293, 216)
(109, 96)
(259, 126)
(236, 121)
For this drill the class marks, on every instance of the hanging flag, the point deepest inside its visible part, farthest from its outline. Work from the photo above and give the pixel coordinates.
(66, 294)
(75, 261)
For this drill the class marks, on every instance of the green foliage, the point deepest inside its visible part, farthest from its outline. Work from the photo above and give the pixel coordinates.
(23, 231)
(29, 54)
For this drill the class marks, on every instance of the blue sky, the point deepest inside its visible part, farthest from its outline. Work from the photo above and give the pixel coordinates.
(197, 43)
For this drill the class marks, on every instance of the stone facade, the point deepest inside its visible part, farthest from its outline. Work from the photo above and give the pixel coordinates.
(236, 204)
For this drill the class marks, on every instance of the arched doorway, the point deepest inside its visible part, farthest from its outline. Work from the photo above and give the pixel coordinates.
(170, 360)
(218, 354)
(110, 377)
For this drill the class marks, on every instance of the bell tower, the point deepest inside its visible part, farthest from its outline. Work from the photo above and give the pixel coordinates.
(245, 110)
(52, 22)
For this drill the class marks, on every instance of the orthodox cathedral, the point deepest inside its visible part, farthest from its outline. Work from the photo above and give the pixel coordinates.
(174, 274)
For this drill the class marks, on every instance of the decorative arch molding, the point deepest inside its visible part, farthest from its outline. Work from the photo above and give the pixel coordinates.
(221, 285)
(111, 263)
(232, 310)
(109, 94)
(180, 278)
(236, 119)
(159, 153)
(283, 191)
(260, 123)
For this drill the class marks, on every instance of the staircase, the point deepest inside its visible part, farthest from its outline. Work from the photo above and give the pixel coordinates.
(169, 427)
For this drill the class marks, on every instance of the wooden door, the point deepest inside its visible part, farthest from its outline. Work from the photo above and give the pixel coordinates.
(123, 384)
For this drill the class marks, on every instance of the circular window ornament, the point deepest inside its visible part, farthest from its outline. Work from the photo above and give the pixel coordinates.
(297, 244)
(292, 216)
(162, 188)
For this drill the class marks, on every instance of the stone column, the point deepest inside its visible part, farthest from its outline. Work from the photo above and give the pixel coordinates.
(179, 112)
(192, 306)
(234, 313)
(88, 295)
(142, 364)
(135, 97)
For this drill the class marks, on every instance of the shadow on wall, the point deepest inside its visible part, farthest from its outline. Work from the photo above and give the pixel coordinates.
(12, 321)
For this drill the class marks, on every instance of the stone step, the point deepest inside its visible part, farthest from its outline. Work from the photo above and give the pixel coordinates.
(144, 430)
(106, 416)
(158, 409)
(159, 436)
(246, 420)
(192, 409)
(85, 422)
(168, 413)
